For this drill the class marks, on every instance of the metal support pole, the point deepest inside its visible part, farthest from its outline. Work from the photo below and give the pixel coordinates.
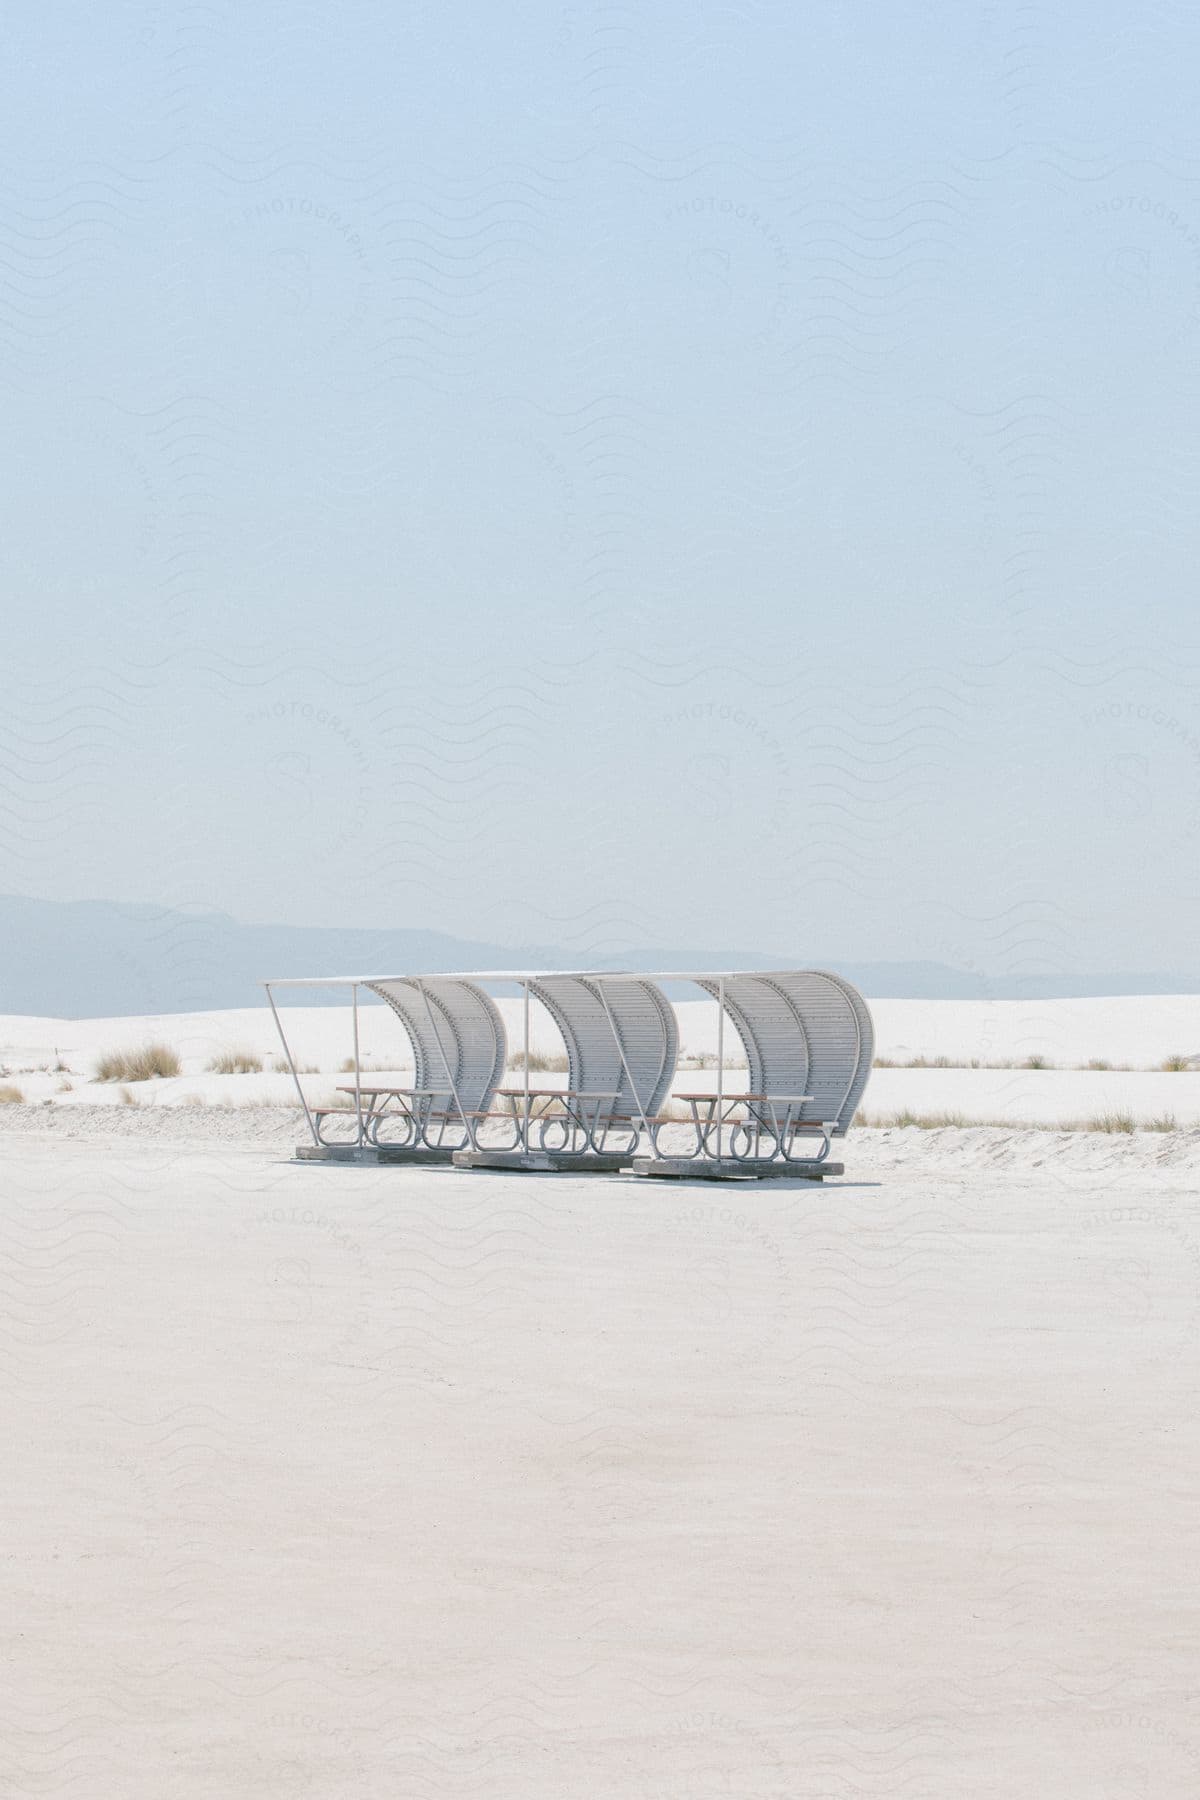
(525, 1127)
(291, 1065)
(628, 1074)
(357, 1075)
(445, 1063)
(720, 1059)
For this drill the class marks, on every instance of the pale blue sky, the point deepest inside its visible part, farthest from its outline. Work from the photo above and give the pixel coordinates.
(703, 475)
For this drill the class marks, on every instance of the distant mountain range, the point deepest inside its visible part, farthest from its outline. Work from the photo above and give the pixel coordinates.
(101, 958)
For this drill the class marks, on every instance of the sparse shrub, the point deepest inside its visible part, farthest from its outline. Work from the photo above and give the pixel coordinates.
(541, 1062)
(1176, 1063)
(944, 1121)
(885, 1062)
(1111, 1122)
(11, 1096)
(1106, 1122)
(144, 1064)
(1099, 1063)
(1037, 1062)
(236, 1062)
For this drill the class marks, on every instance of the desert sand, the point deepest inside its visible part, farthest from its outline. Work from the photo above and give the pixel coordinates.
(377, 1482)
(1137, 1034)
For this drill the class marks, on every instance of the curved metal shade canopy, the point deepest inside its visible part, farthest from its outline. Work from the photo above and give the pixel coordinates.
(621, 1036)
(459, 1046)
(805, 1031)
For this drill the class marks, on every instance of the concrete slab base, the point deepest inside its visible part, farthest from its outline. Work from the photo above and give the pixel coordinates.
(368, 1154)
(685, 1168)
(544, 1162)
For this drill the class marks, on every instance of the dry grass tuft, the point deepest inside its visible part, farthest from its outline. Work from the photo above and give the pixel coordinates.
(541, 1062)
(906, 1118)
(150, 1062)
(11, 1096)
(1123, 1123)
(236, 1062)
(1029, 1062)
(126, 1098)
(1112, 1122)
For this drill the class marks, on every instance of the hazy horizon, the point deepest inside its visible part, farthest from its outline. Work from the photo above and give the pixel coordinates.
(81, 959)
(202, 911)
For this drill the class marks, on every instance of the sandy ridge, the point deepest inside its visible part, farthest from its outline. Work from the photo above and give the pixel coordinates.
(946, 1151)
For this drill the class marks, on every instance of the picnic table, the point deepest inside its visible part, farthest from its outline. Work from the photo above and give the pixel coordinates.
(410, 1116)
(773, 1116)
(582, 1117)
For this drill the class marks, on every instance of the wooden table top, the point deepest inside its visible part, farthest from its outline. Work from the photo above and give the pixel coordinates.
(519, 1093)
(418, 1093)
(775, 1099)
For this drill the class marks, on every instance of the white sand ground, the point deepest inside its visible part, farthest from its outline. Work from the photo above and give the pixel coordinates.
(396, 1482)
(1139, 1031)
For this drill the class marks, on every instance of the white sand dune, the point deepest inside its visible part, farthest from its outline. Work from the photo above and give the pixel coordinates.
(1142, 1032)
(1137, 1029)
